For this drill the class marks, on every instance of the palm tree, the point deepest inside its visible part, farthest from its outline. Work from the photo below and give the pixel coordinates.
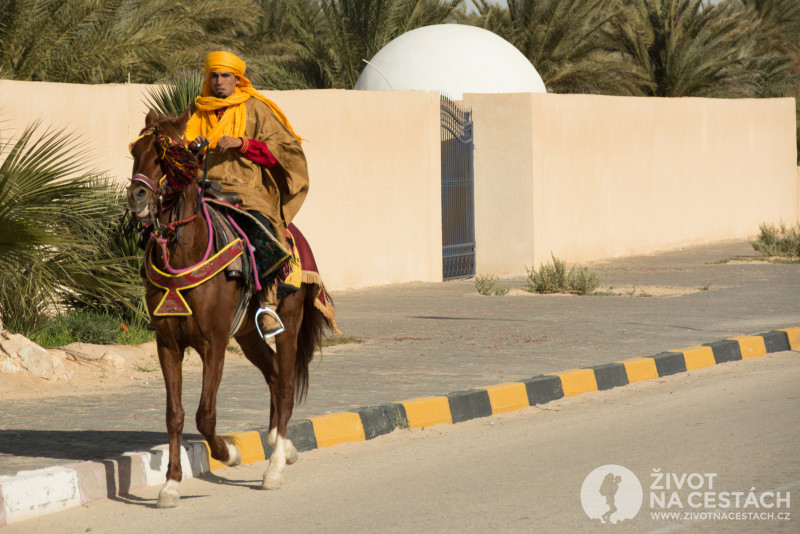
(687, 47)
(360, 28)
(779, 24)
(326, 41)
(777, 50)
(567, 42)
(93, 41)
(55, 219)
(289, 48)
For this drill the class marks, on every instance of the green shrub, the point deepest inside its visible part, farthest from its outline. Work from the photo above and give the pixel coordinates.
(554, 278)
(58, 222)
(582, 280)
(777, 241)
(340, 340)
(490, 285)
(86, 326)
(550, 278)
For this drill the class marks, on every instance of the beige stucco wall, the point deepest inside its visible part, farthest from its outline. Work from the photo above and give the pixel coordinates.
(373, 214)
(584, 177)
(105, 118)
(600, 176)
(504, 185)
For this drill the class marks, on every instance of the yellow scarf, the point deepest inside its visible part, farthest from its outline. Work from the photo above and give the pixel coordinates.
(233, 121)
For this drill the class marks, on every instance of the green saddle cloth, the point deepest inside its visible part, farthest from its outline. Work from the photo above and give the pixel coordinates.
(270, 256)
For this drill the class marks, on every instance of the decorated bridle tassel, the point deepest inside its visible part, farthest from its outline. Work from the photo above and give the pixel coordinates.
(179, 165)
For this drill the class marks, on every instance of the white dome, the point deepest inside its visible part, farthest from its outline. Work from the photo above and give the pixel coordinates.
(453, 59)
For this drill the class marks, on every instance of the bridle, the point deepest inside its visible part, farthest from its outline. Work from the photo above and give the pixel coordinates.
(179, 166)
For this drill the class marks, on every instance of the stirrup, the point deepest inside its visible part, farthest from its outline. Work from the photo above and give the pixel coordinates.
(275, 331)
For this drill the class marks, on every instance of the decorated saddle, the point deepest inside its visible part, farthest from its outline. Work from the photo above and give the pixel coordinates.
(244, 247)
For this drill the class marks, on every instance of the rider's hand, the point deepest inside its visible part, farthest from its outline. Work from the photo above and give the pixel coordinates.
(198, 141)
(225, 142)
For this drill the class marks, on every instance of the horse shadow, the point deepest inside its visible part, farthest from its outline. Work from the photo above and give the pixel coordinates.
(35, 449)
(76, 445)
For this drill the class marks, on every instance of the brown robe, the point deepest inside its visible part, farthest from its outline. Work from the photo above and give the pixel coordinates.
(276, 192)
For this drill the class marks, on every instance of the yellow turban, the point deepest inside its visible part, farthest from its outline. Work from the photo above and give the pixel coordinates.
(224, 62)
(204, 122)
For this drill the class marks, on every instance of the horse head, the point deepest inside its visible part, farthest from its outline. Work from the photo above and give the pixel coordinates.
(163, 165)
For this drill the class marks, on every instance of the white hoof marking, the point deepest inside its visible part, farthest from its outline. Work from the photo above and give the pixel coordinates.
(169, 495)
(234, 458)
(272, 480)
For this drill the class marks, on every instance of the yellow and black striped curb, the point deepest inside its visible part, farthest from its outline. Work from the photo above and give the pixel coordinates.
(369, 422)
(35, 493)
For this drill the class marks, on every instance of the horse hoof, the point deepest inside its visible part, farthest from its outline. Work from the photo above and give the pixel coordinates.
(169, 495)
(272, 481)
(291, 453)
(234, 458)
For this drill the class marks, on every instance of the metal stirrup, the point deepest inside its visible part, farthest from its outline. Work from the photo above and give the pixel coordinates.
(277, 331)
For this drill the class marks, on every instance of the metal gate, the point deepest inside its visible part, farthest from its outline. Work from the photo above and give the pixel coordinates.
(458, 200)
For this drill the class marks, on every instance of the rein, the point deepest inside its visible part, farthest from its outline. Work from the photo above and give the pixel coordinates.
(163, 242)
(180, 167)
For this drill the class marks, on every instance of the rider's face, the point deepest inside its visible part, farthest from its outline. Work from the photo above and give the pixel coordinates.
(223, 83)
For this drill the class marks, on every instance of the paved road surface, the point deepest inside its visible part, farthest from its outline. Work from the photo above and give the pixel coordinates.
(432, 339)
(736, 424)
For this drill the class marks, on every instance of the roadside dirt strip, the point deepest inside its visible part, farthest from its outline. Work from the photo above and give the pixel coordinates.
(35, 493)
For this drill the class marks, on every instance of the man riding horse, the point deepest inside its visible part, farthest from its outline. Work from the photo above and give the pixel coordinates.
(253, 152)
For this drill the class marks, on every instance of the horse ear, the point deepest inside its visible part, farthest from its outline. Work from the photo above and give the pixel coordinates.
(184, 117)
(151, 119)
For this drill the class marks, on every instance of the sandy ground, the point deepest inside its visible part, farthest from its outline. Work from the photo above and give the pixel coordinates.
(626, 291)
(102, 368)
(97, 369)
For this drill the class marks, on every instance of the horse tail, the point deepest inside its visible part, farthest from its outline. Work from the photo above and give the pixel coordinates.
(312, 332)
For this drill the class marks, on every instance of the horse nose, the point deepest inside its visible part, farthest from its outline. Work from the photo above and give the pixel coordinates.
(138, 201)
(140, 195)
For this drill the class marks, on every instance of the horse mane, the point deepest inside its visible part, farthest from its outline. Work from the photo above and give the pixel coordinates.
(179, 165)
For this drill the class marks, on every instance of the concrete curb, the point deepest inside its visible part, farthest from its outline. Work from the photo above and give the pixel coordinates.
(31, 494)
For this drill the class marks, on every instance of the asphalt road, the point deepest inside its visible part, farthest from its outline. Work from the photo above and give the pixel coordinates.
(712, 434)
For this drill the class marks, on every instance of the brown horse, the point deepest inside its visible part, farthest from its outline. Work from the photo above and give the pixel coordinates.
(172, 208)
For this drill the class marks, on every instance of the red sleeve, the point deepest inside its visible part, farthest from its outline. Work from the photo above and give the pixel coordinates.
(257, 152)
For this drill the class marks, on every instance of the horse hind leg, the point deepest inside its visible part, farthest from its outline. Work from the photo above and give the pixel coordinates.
(282, 389)
(283, 453)
(273, 477)
(289, 448)
(262, 356)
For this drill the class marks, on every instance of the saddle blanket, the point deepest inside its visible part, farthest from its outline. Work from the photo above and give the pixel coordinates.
(241, 241)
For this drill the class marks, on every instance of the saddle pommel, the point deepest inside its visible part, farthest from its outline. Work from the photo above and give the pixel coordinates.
(213, 189)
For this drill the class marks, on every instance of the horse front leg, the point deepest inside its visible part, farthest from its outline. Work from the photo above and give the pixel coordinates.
(171, 360)
(206, 417)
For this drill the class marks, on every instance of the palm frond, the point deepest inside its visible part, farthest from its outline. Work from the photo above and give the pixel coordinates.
(56, 216)
(176, 97)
